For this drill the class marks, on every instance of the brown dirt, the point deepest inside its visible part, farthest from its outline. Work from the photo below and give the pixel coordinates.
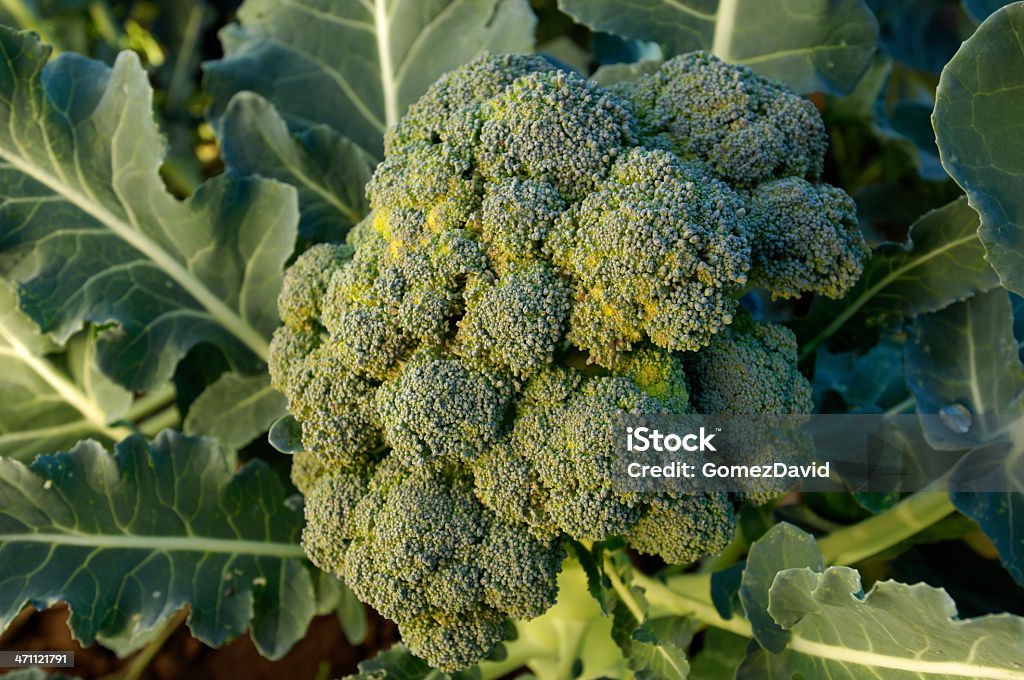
(322, 654)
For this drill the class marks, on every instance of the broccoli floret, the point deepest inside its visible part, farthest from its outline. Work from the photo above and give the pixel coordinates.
(305, 284)
(449, 111)
(515, 324)
(658, 373)
(441, 408)
(745, 128)
(555, 127)
(516, 217)
(419, 548)
(749, 369)
(681, 528)
(307, 470)
(335, 408)
(657, 250)
(289, 349)
(328, 504)
(805, 237)
(544, 260)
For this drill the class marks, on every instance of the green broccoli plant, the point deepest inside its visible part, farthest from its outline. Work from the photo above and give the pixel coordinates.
(542, 256)
(491, 275)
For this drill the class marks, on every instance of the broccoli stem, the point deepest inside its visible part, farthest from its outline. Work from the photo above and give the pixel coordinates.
(862, 540)
(572, 640)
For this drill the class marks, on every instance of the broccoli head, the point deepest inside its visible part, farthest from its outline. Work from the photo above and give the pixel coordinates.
(543, 260)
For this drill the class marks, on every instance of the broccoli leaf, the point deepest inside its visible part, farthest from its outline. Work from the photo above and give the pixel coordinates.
(649, 652)
(236, 409)
(130, 538)
(895, 113)
(91, 234)
(286, 435)
(941, 263)
(812, 45)
(896, 631)
(397, 663)
(989, 488)
(356, 66)
(966, 358)
(979, 126)
(963, 362)
(328, 170)
(783, 547)
(53, 396)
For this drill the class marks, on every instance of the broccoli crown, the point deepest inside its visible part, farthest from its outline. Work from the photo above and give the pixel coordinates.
(543, 259)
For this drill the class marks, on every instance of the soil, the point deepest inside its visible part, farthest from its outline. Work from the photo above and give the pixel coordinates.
(324, 653)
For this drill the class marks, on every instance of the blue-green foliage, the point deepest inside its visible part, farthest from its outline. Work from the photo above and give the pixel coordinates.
(542, 258)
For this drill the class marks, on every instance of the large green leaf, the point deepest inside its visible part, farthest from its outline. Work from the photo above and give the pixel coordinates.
(52, 396)
(979, 125)
(941, 263)
(964, 361)
(356, 66)
(91, 234)
(813, 45)
(329, 171)
(236, 409)
(896, 632)
(783, 547)
(129, 539)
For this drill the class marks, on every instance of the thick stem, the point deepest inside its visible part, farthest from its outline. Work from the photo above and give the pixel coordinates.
(862, 540)
(160, 421)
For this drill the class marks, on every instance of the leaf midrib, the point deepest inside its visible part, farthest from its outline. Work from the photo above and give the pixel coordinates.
(322, 191)
(199, 544)
(860, 657)
(224, 315)
(69, 392)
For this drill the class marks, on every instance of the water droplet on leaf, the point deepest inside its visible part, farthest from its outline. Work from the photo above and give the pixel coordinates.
(956, 418)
